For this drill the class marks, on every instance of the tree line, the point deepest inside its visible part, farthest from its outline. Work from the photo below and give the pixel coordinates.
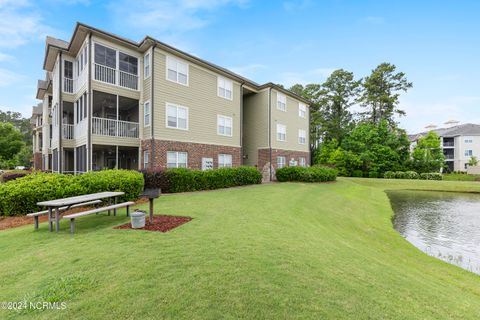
(15, 140)
(367, 142)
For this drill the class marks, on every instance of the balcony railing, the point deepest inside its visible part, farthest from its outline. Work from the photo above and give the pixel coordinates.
(67, 131)
(449, 144)
(109, 75)
(68, 85)
(115, 128)
(128, 80)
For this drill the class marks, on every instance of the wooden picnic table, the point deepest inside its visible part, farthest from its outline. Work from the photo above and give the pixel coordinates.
(56, 204)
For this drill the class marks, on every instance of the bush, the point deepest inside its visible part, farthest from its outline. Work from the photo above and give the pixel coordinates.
(389, 175)
(411, 175)
(431, 176)
(12, 175)
(185, 180)
(306, 174)
(373, 174)
(357, 173)
(400, 175)
(20, 196)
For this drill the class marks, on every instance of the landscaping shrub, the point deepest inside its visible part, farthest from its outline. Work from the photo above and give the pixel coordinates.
(185, 180)
(373, 174)
(431, 176)
(357, 173)
(389, 175)
(20, 196)
(400, 175)
(306, 174)
(411, 175)
(12, 175)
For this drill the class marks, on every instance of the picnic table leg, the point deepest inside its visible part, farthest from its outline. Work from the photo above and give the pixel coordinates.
(50, 222)
(115, 210)
(57, 219)
(109, 203)
(36, 222)
(151, 209)
(128, 211)
(72, 226)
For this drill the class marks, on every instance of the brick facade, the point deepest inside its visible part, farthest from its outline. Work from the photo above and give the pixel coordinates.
(195, 151)
(37, 161)
(264, 160)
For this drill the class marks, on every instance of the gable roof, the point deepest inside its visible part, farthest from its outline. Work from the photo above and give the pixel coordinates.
(467, 129)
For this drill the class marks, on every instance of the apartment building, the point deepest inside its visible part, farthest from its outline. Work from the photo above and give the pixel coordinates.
(459, 143)
(109, 102)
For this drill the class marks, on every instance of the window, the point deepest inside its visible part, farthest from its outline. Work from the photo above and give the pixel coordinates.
(468, 140)
(281, 161)
(177, 71)
(105, 56)
(281, 132)
(281, 102)
(468, 153)
(224, 125)
(68, 69)
(177, 117)
(146, 65)
(207, 164)
(225, 88)
(302, 110)
(224, 160)
(301, 162)
(146, 158)
(302, 136)
(127, 63)
(146, 114)
(176, 159)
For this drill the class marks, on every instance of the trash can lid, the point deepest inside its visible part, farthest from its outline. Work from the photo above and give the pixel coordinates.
(138, 213)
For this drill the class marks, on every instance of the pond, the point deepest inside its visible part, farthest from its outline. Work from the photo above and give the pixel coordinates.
(445, 225)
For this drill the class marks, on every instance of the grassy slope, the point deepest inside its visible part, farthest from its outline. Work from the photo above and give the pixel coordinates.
(271, 251)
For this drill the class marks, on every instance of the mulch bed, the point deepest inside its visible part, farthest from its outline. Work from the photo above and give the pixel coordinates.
(160, 223)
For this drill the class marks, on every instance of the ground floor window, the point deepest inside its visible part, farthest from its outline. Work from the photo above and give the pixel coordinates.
(146, 158)
(281, 162)
(176, 159)
(301, 162)
(224, 160)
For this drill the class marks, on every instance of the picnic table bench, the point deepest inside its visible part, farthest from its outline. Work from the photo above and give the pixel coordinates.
(54, 207)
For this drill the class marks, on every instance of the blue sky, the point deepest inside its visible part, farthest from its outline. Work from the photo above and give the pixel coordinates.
(435, 43)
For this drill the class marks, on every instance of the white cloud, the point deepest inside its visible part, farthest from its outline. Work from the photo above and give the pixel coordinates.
(317, 75)
(6, 57)
(169, 16)
(8, 77)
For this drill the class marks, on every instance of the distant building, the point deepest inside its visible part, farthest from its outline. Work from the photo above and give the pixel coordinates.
(459, 142)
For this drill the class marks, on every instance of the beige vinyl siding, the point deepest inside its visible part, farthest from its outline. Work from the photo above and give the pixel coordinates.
(114, 141)
(292, 121)
(109, 88)
(202, 101)
(255, 125)
(147, 87)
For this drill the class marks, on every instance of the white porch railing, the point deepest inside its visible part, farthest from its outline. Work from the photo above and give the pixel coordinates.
(105, 74)
(128, 80)
(68, 85)
(67, 131)
(115, 128)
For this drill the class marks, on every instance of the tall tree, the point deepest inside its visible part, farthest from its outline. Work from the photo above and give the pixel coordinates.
(381, 92)
(428, 155)
(22, 124)
(10, 141)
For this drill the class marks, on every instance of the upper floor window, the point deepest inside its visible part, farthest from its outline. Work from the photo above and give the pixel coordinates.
(177, 117)
(468, 153)
(68, 69)
(225, 88)
(176, 159)
(105, 56)
(146, 65)
(468, 140)
(302, 110)
(281, 132)
(146, 114)
(225, 125)
(224, 160)
(127, 63)
(302, 136)
(281, 102)
(177, 71)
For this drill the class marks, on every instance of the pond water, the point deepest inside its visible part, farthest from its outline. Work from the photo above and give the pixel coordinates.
(445, 225)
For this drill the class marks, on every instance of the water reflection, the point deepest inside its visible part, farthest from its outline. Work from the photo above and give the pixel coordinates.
(442, 224)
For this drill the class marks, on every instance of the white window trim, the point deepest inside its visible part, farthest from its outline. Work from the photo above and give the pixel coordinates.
(176, 158)
(299, 136)
(181, 61)
(149, 53)
(166, 116)
(218, 125)
(219, 78)
(300, 162)
(224, 155)
(146, 158)
(284, 126)
(284, 161)
(278, 100)
(149, 113)
(300, 107)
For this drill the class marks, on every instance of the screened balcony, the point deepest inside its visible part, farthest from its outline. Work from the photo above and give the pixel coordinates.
(115, 67)
(67, 124)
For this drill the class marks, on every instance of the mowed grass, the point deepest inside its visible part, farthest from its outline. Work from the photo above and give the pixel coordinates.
(276, 251)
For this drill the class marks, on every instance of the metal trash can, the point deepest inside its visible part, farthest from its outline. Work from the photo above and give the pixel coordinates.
(138, 219)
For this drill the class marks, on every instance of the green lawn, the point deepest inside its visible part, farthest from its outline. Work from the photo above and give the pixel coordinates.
(270, 251)
(461, 177)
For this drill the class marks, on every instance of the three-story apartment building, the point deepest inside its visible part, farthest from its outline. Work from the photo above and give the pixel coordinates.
(108, 102)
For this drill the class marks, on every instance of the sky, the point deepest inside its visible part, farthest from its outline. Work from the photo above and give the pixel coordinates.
(436, 43)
